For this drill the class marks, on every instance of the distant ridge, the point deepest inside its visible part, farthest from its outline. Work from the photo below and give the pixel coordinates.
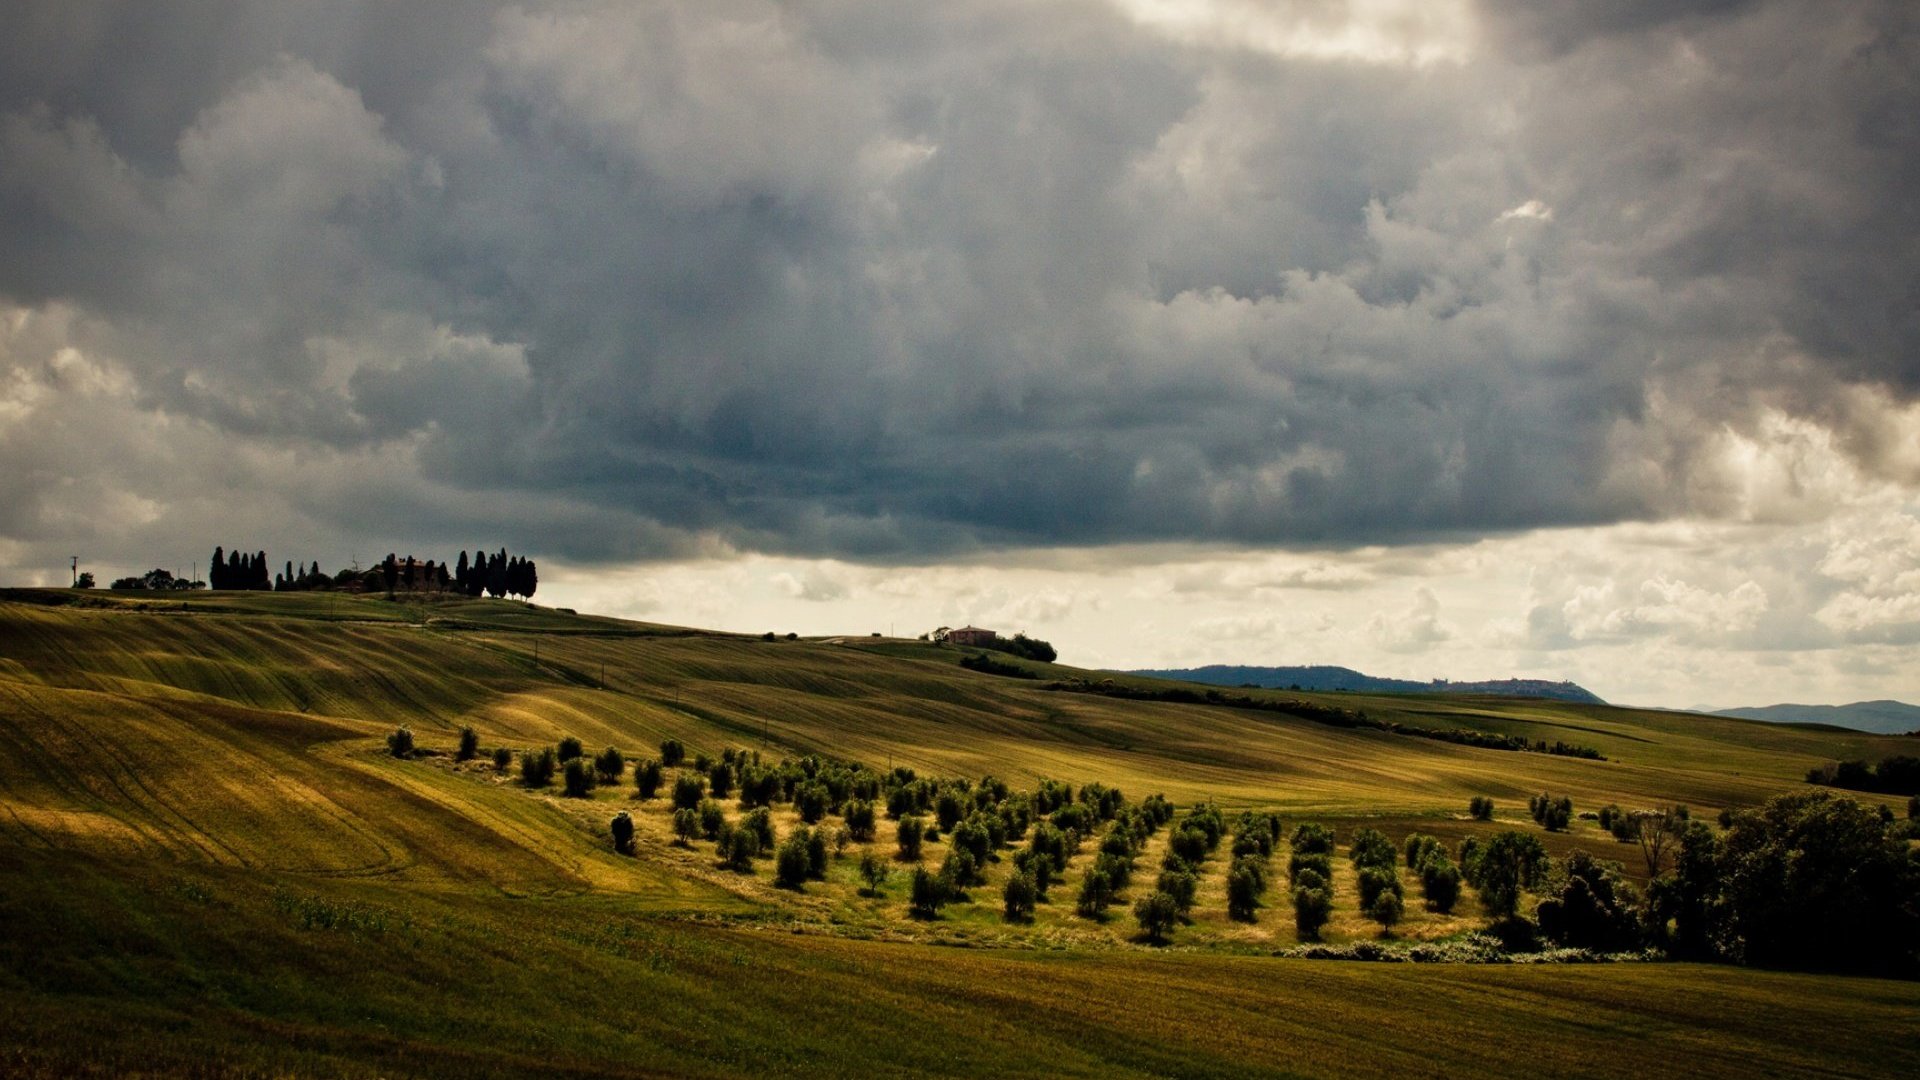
(1326, 677)
(1881, 717)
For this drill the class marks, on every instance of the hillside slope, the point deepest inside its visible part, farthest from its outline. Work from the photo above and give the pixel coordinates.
(201, 831)
(1882, 717)
(1323, 677)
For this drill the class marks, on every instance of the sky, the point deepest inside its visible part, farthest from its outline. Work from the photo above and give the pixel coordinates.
(1435, 339)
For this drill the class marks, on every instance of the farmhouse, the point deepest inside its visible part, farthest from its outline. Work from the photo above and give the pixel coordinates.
(970, 635)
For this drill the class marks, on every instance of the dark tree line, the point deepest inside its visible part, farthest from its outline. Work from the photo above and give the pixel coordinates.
(497, 574)
(233, 570)
(1898, 775)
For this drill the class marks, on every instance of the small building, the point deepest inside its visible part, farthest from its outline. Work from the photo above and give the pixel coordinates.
(970, 635)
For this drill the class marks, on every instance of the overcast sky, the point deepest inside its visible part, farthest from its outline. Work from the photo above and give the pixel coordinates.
(1575, 339)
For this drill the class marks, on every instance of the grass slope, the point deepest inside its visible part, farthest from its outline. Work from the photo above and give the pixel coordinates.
(201, 835)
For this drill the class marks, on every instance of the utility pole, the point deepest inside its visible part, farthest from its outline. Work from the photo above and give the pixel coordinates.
(76, 570)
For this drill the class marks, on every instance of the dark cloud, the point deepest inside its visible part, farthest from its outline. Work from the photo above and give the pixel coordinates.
(903, 281)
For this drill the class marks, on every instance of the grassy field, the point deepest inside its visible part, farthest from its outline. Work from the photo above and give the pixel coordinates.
(203, 837)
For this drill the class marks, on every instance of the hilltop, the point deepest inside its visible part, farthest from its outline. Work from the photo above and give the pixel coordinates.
(1884, 717)
(205, 835)
(1322, 677)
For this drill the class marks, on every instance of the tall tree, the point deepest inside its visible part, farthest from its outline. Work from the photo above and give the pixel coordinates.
(217, 568)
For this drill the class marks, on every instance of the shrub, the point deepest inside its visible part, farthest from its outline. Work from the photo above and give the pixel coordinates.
(960, 870)
(1119, 871)
(1181, 886)
(672, 753)
(858, 815)
(400, 743)
(1480, 808)
(622, 829)
(537, 766)
(570, 748)
(1037, 866)
(1440, 884)
(927, 895)
(687, 791)
(1189, 845)
(790, 866)
(686, 826)
(579, 779)
(1371, 847)
(811, 800)
(469, 745)
(947, 810)
(720, 780)
(1156, 912)
(646, 778)
(1592, 908)
(1422, 848)
(738, 846)
(712, 819)
(873, 871)
(1373, 881)
(1554, 815)
(702, 763)
(1096, 894)
(1321, 864)
(816, 854)
(1509, 863)
(1312, 907)
(1312, 838)
(502, 758)
(1386, 910)
(761, 822)
(908, 834)
(1019, 897)
(1243, 893)
(609, 765)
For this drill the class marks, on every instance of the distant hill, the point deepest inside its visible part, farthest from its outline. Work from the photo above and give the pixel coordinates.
(1326, 677)
(1881, 717)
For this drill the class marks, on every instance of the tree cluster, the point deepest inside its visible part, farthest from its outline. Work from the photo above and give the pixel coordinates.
(1897, 775)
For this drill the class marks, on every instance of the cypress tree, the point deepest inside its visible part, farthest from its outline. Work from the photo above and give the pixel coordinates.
(217, 569)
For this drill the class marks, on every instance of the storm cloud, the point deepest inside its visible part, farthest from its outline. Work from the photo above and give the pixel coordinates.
(896, 283)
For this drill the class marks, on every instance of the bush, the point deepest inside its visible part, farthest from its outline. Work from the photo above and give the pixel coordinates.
(1371, 848)
(1386, 910)
(469, 745)
(873, 871)
(1480, 808)
(791, 865)
(1421, 848)
(1181, 886)
(1156, 913)
(686, 826)
(1096, 894)
(672, 753)
(811, 801)
(646, 778)
(1320, 864)
(1373, 881)
(400, 743)
(1312, 838)
(1554, 815)
(816, 853)
(928, 894)
(1509, 863)
(761, 822)
(537, 766)
(1052, 843)
(712, 819)
(687, 791)
(1019, 897)
(1312, 907)
(908, 835)
(570, 748)
(578, 779)
(738, 847)
(1440, 884)
(858, 815)
(1038, 867)
(1243, 893)
(1592, 908)
(609, 765)
(947, 810)
(502, 758)
(622, 829)
(1189, 845)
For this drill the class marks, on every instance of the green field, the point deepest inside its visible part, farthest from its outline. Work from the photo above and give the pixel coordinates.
(209, 865)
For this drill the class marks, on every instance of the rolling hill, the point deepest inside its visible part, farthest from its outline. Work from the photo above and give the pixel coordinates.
(1883, 717)
(204, 838)
(1322, 677)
